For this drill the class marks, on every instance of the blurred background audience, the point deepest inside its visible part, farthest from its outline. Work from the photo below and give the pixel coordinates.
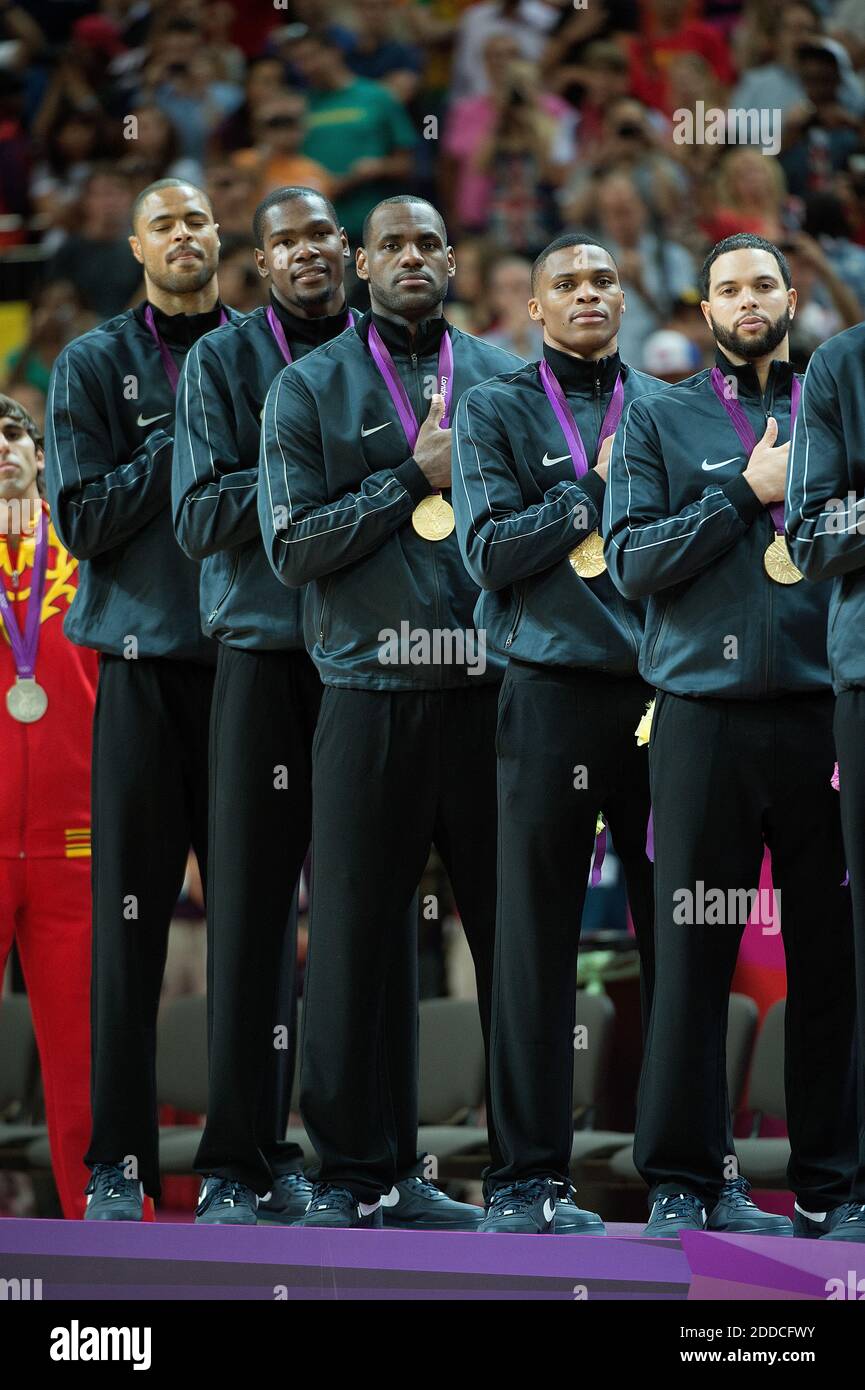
(518, 117)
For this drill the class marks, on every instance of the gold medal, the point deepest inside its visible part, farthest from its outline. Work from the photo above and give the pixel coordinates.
(433, 518)
(777, 562)
(26, 701)
(588, 557)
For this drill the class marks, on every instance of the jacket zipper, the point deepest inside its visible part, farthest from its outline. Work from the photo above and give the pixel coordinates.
(231, 578)
(519, 613)
(419, 397)
(767, 411)
(324, 603)
(661, 627)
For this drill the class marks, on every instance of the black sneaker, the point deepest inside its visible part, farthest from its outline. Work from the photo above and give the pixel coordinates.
(736, 1215)
(223, 1202)
(572, 1220)
(111, 1196)
(846, 1223)
(286, 1201)
(331, 1205)
(527, 1207)
(417, 1205)
(681, 1211)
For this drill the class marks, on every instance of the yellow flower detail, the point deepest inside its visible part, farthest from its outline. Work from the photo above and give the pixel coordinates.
(644, 728)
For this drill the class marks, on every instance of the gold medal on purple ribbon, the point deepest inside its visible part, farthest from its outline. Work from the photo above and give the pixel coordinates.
(777, 562)
(776, 557)
(587, 558)
(433, 517)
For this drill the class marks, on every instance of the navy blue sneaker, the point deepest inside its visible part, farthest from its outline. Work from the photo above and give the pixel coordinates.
(680, 1211)
(286, 1201)
(222, 1202)
(331, 1205)
(111, 1196)
(846, 1222)
(735, 1214)
(417, 1205)
(849, 1222)
(527, 1208)
(572, 1220)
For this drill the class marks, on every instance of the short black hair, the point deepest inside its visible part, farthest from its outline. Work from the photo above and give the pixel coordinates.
(743, 241)
(286, 195)
(560, 244)
(12, 410)
(165, 183)
(398, 198)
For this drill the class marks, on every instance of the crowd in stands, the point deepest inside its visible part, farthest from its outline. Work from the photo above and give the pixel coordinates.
(517, 117)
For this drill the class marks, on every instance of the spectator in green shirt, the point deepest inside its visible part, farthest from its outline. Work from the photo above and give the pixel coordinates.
(357, 129)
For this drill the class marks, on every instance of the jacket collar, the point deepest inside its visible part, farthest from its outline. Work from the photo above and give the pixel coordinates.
(397, 338)
(780, 375)
(312, 332)
(180, 331)
(582, 375)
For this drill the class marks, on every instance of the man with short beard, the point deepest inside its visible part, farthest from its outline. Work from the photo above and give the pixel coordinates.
(108, 473)
(741, 757)
(355, 472)
(260, 801)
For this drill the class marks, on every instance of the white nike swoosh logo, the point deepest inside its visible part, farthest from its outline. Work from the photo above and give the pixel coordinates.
(375, 429)
(142, 422)
(709, 466)
(548, 462)
(549, 1209)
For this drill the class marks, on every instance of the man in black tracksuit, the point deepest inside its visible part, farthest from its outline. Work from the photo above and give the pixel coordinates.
(265, 707)
(570, 703)
(108, 473)
(353, 503)
(741, 755)
(825, 525)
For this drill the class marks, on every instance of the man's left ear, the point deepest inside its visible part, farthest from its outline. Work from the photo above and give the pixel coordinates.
(40, 460)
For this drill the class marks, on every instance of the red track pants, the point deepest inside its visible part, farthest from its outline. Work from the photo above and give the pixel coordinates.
(45, 909)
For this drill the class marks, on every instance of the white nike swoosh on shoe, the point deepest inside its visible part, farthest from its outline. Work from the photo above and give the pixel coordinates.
(375, 429)
(366, 1208)
(152, 419)
(707, 467)
(548, 462)
(549, 1210)
(391, 1199)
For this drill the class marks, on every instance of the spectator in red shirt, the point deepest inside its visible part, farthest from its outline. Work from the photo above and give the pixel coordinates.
(47, 697)
(669, 28)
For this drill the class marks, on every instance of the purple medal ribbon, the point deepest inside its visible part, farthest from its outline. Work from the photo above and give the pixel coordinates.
(25, 646)
(168, 361)
(397, 391)
(278, 331)
(564, 415)
(742, 426)
(600, 852)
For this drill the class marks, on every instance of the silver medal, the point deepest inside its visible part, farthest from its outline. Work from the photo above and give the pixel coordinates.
(26, 700)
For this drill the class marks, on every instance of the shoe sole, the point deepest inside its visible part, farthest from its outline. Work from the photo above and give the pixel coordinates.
(279, 1220)
(777, 1233)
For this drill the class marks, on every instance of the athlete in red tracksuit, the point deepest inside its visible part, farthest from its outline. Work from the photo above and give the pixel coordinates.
(45, 805)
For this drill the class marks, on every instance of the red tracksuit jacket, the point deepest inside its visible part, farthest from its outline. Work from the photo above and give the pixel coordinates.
(45, 782)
